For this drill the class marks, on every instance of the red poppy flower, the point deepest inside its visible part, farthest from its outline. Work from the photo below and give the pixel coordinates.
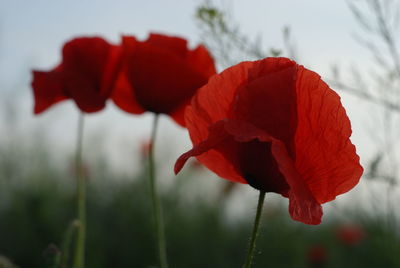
(277, 126)
(86, 74)
(161, 75)
(317, 255)
(350, 234)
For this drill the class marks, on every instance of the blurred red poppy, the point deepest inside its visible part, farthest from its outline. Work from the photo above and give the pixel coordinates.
(86, 74)
(350, 234)
(144, 148)
(277, 126)
(161, 75)
(317, 255)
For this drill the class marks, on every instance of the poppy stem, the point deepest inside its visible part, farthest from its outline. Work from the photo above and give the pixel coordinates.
(72, 229)
(252, 246)
(157, 209)
(79, 259)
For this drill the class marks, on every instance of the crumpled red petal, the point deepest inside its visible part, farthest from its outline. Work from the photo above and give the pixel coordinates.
(211, 104)
(325, 156)
(269, 102)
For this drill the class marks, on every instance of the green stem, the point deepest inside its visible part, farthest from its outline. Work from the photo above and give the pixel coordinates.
(250, 253)
(79, 260)
(72, 228)
(156, 200)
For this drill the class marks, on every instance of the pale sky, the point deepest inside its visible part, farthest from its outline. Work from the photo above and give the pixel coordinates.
(33, 32)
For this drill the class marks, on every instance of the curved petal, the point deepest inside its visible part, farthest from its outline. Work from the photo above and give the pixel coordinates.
(211, 104)
(325, 156)
(201, 60)
(123, 96)
(47, 90)
(213, 101)
(84, 61)
(207, 153)
(178, 115)
(111, 70)
(216, 135)
(269, 102)
(82, 91)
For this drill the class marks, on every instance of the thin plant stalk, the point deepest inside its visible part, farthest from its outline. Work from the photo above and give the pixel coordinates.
(72, 229)
(79, 259)
(157, 209)
(257, 220)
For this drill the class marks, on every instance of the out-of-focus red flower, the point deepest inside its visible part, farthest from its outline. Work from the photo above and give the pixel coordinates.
(317, 255)
(145, 147)
(83, 170)
(86, 74)
(161, 75)
(277, 126)
(350, 234)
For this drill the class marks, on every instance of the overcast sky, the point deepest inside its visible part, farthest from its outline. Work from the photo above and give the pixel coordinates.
(33, 32)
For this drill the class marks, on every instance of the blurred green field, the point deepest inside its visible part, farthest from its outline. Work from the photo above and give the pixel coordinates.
(38, 203)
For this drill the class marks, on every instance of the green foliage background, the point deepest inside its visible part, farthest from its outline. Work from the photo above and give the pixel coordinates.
(37, 207)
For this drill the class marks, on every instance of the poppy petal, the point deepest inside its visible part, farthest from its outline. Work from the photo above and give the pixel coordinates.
(201, 60)
(178, 115)
(110, 70)
(123, 96)
(173, 44)
(211, 104)
(47, 90)
(272, 98)
(217, 135)
(325, 156)
(84, 60)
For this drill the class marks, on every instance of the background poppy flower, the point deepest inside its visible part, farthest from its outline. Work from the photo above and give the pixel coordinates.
(277, 126)
(161, 75)
(86, 74)
(317, 256)
(350, 234)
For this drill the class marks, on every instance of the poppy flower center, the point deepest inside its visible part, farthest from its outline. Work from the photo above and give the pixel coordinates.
(259, 167)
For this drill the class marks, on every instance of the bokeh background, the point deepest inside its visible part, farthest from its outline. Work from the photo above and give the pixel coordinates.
(353, 45)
